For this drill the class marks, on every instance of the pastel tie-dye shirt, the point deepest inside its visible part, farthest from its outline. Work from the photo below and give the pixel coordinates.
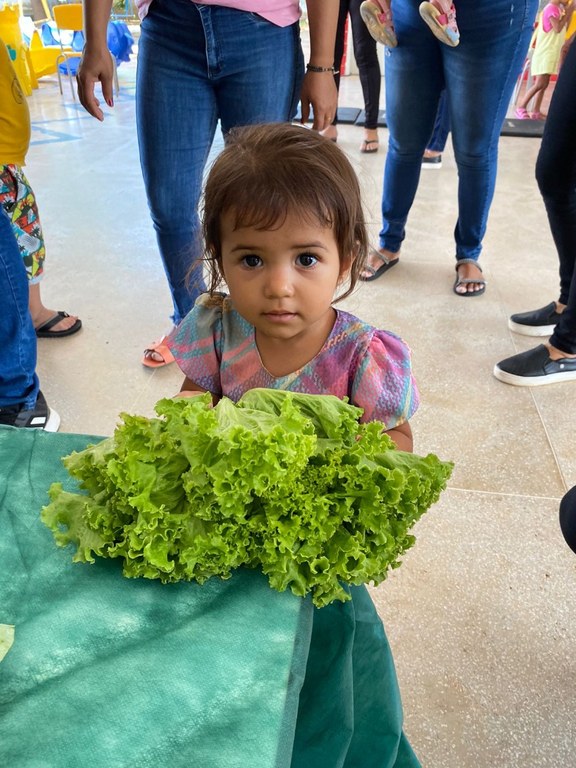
(216, 349)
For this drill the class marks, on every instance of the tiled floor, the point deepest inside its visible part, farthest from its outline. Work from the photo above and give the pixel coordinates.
(481, 615)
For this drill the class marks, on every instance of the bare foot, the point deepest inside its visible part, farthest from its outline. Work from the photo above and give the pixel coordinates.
(469, 272)
(330, 133)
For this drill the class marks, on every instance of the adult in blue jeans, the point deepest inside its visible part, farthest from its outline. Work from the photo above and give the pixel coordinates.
(22, 404)
(555, 360)
(240, 63)
(479, 76)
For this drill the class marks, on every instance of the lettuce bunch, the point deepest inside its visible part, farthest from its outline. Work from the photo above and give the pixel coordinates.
(289, 483)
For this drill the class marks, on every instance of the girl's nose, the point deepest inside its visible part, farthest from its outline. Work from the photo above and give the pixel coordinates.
(278, 282)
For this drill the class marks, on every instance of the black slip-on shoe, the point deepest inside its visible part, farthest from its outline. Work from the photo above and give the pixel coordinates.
(535, 367)
(538, 322)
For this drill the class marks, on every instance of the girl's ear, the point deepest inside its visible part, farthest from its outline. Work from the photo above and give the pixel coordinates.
(346, 265)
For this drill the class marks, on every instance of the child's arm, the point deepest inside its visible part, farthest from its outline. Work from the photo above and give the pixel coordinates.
(559, 22)
(402, 436)
(189, 389)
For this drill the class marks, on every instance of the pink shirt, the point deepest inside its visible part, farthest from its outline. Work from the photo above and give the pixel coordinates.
(279, 12)
(549, 10)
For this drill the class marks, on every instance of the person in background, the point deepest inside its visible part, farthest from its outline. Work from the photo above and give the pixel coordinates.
(550, 38)
(568, 518)
(366, 56)
(19, 202)
(433, 153)
(555, 360)
(479, 76)
(440, 15)
(239, 63)
(22, 404)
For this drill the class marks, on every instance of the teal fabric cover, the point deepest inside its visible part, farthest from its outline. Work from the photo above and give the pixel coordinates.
(129, 673)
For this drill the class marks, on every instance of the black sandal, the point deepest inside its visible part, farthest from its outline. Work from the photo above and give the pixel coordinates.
(45, 331)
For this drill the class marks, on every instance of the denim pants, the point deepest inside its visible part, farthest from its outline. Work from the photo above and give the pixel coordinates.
(479, 77)
(18, 380)
(441, 128)
(198, 64)
(556, 176)
(366, 55)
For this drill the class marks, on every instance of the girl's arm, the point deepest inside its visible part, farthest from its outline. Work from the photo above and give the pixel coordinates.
(402, 436)
(189, 389)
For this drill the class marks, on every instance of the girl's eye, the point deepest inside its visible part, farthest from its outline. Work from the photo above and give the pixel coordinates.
(251, 260)
(307, 260)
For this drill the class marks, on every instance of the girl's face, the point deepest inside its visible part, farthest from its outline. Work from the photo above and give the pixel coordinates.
(283, 280)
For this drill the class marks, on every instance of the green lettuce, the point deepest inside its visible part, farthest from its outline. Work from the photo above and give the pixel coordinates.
(289, 483)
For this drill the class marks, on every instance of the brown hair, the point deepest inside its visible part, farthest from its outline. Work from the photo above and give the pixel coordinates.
(267, 171)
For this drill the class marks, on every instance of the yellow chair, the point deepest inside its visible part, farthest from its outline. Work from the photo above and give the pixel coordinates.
(69, 17)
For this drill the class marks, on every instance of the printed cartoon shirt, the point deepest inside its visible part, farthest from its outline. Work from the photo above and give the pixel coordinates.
(216, 349)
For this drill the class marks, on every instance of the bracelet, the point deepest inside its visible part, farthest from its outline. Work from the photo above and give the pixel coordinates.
(312, 68)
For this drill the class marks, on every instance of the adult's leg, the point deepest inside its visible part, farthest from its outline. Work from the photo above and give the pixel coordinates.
(18, 380)
(414, 80)
(256, 67)
(176, 120)
(556, 177)
(480, 77)
(366, 55)
(441, 126)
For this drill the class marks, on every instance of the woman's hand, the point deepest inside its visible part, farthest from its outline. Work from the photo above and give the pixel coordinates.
(96, 66)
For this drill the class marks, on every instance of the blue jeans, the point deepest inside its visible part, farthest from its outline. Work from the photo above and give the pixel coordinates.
(441, 126)
(556, 177)
(18, 380)
(479, 77)
(198, 64)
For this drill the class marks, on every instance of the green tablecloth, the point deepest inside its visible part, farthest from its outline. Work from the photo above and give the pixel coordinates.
(128, 673)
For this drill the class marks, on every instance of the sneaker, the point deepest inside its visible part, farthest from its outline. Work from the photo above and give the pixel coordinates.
(377, 16)
(39, 417)
(535, 367)
(539, 322)
(434, 162)
(440, 15)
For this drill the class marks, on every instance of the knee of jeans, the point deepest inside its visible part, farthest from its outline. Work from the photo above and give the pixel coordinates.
(478, 162)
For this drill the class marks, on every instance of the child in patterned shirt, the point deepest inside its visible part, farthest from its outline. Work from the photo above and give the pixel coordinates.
(284, 228)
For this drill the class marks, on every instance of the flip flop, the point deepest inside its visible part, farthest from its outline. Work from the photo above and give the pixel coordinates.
(161, 349)
(369, 146)
(44, 331)
(468, 281)
(376, 273)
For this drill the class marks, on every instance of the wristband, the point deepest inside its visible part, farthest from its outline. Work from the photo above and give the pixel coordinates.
(312, 68)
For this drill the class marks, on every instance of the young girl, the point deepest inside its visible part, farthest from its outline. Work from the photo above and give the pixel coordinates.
(284, 228)
(550, 37)
(440, 15)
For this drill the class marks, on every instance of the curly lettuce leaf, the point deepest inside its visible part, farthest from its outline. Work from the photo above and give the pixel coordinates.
(289, 483)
